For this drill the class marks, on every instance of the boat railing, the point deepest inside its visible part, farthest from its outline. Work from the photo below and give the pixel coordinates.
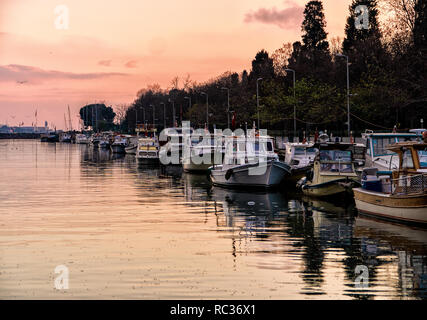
(405, 185)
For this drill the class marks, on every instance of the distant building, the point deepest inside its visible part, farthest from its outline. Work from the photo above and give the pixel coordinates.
(7, 129)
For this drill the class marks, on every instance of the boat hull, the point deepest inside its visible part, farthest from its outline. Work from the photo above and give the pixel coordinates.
(240, 177)
(147, 160)
(131, 150)
(327, 189)
(191, 167)
(407, 209)
(118, 148)
(297, 174)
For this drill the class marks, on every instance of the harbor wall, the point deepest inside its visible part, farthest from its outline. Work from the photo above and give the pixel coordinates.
(19, 135)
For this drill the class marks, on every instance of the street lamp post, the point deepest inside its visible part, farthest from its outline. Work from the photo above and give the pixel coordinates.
(173, 112)
(189, 101)
(257, 98)
(143, 114)
(295, 103)
(348, 93)
(154, 114)
(207, 108)
(228, 106)
(164, 114)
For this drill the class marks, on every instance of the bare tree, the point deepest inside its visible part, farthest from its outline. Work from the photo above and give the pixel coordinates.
(175, 83)
(120, 111)
(280, 58)
(188, 83)
(400, 17)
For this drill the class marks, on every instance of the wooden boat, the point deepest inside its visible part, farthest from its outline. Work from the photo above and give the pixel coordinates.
(333, 171)
(401, 196)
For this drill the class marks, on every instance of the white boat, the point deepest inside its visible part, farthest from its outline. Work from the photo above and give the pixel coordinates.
(202, 151)
(82, 139)
(401, 195)
(132, 146)
(300, 157)
(333, 171)
(377, 154)
(119, 144)
(105, 140)
(249, 162)
(65, 137)
(148, 150)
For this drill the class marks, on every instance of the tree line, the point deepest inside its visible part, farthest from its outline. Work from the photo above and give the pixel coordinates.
(387, 73)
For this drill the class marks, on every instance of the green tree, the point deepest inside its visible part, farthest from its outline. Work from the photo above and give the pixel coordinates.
(98, 116)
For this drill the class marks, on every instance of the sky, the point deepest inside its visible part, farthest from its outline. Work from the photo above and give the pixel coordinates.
(55, 53)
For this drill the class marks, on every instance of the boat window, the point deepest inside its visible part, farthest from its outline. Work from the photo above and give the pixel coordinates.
(299, 151)
(336, 161)
(407, 162)
(380, 145)
(368, 147)
(311, 150)
(410, 138)
(422, 155)
(335, 155)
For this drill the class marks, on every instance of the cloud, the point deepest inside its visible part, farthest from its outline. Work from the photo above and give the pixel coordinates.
(105, 63)
(289, 17)
(28, 74)
(131, 64)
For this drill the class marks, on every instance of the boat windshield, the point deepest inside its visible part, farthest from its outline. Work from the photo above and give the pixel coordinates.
(304, 151)
(407, 161)
(422, 155)
(336, 161)
(380, 144)
(266, 146)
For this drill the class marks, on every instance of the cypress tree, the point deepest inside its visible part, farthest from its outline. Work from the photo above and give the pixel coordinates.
(354, 35)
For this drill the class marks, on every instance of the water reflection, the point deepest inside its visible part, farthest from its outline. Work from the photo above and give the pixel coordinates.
(152, 231)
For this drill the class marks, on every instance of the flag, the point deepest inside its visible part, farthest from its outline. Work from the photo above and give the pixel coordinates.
(233, 120)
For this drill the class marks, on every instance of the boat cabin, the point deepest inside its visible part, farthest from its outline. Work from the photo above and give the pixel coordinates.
(412, 157)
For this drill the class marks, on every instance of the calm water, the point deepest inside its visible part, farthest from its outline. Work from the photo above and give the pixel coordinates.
(132, 232)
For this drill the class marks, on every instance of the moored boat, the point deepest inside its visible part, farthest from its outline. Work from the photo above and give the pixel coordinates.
(249, 162)
(148, 150)
(202, 151)
(401, 196)
(119, 144)
(82, 138)
(333, 171)
(377, 154)
(300, 157)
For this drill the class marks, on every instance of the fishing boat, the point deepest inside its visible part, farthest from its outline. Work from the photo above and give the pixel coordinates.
(401, 195)
(300, 157)
(202, 151)
(377, 154)
(148, 150)
(333, 171)
(249, 162)
(119, 144)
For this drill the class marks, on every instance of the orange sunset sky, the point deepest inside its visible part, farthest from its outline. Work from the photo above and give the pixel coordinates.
(113, 48)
